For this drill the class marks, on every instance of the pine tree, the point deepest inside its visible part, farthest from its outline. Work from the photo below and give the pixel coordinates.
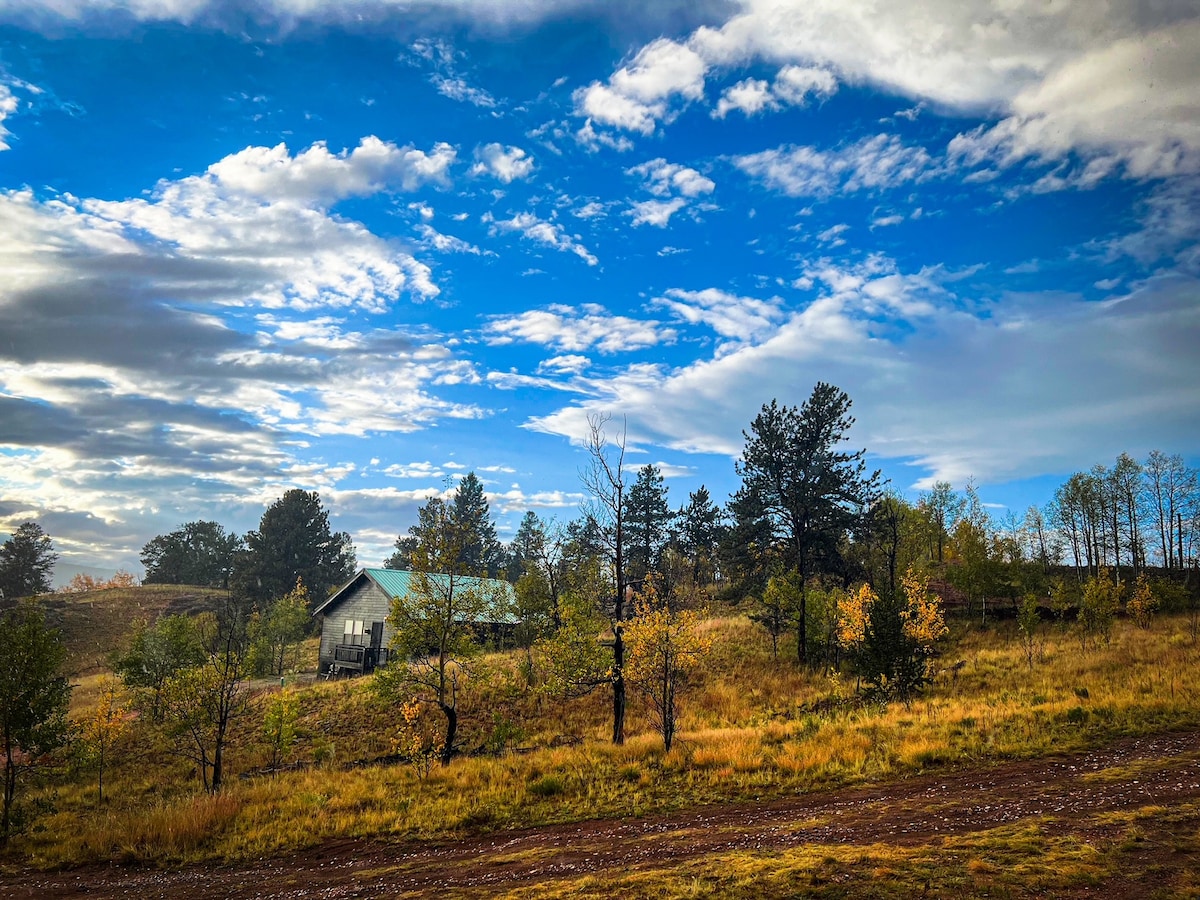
(294, 541)
(811, 491)
(482, 551)
(26, 563)
(648, 516)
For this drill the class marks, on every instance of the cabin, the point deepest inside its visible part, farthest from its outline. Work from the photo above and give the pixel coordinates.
(354, 629)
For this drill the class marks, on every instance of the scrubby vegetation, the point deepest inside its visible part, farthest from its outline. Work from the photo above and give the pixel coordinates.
(749, 728)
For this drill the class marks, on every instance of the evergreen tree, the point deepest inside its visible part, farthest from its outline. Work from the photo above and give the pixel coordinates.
(648, 517)
(527, 546)
(26, 563)
(698, 530)
(747, 548)
(294, 541)
(811, 491)
(482, 552)
(200, 553)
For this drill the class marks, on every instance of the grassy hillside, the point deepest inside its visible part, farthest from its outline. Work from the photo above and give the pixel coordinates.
(752, 728)
(95, 623)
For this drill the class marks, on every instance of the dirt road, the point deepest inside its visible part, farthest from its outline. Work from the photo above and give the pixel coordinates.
(1064, 794)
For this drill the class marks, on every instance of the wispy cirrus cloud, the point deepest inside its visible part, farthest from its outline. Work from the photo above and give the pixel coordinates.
(547, 232)
(585, 327)
(873, 163)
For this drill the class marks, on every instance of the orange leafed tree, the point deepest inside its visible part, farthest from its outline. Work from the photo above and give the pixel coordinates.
(104, 729)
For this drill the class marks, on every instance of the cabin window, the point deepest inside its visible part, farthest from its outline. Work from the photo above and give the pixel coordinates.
(353, 632)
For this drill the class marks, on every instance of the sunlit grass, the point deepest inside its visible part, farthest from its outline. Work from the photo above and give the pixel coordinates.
(751, 728)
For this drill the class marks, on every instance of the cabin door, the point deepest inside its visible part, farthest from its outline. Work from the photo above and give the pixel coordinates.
(378, 653)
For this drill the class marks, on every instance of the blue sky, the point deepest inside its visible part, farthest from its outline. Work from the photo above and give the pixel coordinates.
(366, 247)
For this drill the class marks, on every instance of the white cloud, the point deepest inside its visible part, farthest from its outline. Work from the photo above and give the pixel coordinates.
(1114, 82)
(739, 319)
(662, 179)
(517, 500)
(660, 79)
(590, 210)
(316, 177)
(1168, 225)
(592, 140)
(8, 106)
(884, 335)
(541, 231)
(795, 84)
(105, 292)
(1131, 103)
(833, 234)
(506, 164)
(878, 162)
(674, 186)
(577, 329)
(750, 96)
(671, 470)
(570, 364)
(456, 88)
(445, 243)
(655, 212)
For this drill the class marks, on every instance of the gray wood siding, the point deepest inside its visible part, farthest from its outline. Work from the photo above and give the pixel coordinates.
(365, 601)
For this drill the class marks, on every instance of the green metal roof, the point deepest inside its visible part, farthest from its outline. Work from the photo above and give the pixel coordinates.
(398, 582)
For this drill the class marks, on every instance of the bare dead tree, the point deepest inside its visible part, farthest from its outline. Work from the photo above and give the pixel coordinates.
(604, 479)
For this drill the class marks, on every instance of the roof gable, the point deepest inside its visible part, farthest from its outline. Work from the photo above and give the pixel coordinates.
(398, 582)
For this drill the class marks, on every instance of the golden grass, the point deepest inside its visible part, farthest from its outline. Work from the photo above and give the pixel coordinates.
(748, 731)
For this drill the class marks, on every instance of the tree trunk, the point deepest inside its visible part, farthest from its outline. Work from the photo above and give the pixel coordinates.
(451, 715)
(218, 765)
(618, 686)
(10, 790)
(668, 713)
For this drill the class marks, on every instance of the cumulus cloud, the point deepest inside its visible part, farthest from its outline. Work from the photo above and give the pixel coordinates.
(1131, 104)
(793, 86)
(541, 231)
(506, 164)
(316, 177)
(663, 179)
(661, 78)
(1114, 82)
(750, 96)
(796, 84)
(655, 212)
(168, 344)
(672, 185)
(578, 328)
